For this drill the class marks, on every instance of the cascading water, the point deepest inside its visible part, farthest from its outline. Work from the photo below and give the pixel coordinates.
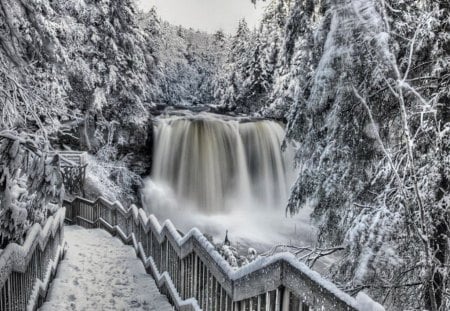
(221, 173)
(209, 162)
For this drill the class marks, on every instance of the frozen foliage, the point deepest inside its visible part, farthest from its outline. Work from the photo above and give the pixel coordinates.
(111, 177)
(68, 68)
(187, 61)
(83, 58)
(31, 184)
(229, 81)
(68, 64)
(247, 77)
(234, 258)
(366, 84)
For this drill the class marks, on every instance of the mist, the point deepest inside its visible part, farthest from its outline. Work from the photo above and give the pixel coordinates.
(247, 224)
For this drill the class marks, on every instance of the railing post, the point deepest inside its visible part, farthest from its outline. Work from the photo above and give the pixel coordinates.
(150, 236)
(208, 290)
(194, 277)
(285, 299)
(183, 286)
(167, 257)
(76, 205)
(95, 214)
(114, 216)
(278, 300)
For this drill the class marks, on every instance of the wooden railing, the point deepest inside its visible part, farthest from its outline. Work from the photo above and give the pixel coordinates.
(194, 276)
(26, 270)
(73, 166)
(72, 158)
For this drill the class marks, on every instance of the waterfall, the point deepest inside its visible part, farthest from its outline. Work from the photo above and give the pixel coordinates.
(214, 163)
(225, 174)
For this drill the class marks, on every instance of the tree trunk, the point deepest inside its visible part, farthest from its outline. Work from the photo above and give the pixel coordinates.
(85, 142)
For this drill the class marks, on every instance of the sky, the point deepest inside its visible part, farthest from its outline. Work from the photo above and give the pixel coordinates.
(206, 15)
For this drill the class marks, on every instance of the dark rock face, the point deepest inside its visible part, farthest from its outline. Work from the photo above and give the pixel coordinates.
(136, 143)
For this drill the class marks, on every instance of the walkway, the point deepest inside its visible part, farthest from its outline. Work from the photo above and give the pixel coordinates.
(100, 273)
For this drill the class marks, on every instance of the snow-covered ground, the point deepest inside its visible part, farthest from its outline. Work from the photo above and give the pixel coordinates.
(99, 272)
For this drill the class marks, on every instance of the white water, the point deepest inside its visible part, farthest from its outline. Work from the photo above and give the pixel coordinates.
(223, 174)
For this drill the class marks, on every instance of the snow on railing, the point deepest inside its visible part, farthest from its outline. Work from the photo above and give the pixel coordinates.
(72, 158)
(26, 270)
(190, 271)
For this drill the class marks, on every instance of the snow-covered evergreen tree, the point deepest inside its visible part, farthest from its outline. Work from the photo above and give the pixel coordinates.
(296, 58)
(372, 127)
(248, 76)
(267, 61)
(229, 82)
(187, 61)
(62, 63)
(220, 39)
(75, 60)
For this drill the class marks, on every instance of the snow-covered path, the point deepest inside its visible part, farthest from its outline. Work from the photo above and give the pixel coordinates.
(99, 272)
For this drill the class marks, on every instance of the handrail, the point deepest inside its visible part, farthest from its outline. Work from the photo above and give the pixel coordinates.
(194, 276)
(27, 270)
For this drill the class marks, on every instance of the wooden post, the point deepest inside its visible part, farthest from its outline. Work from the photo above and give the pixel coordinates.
(77, 211)
(183, 285)
(277, 300)
(285, 296)
(195, 277)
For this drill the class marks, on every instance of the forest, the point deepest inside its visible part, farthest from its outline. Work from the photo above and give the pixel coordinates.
(361, 87)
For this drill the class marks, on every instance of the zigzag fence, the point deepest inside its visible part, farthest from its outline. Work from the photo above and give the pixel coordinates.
(193, 275)
(27, 270)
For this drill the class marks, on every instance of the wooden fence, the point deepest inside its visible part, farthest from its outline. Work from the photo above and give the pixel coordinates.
(73, 167)
(27, 270)
(194, 276)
